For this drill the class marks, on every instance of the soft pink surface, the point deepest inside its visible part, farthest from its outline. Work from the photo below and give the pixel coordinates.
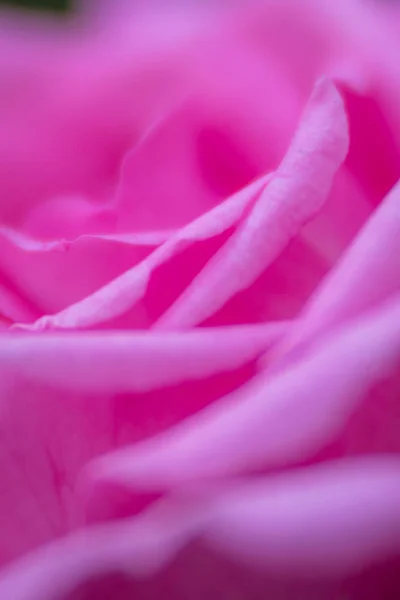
(200, 302)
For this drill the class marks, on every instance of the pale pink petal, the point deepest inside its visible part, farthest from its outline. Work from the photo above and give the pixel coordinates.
(74, 100)
(79, 266)
(69, 397)
(274, 420)
(281, 291)
(122, 294)
(347, 41)
(296, 192)
(139, 548)
(366, 275)
(327, 519)
(114, 362)
(298, 522)
(68, 217)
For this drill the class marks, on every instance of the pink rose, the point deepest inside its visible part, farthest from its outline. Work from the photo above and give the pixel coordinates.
(200, 302)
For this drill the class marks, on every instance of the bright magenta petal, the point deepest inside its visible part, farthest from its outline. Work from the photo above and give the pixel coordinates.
(124, 293)
(274, 420)
(198, 162)
(68, 397)
(328, 520)
(79, 266)
(296, 192)
(366, 275)
(14, 308)
(331, 519)
(115, 362)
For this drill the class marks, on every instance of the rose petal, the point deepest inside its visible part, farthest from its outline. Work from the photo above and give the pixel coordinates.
(122, 294)
(273, 421)
(328, 519)
(199, 163)
(366, 275)
(296, 192)
(280, 292)
(14, 308)
(114, 362)
(292, 523)
(85, 263)
(68, 397)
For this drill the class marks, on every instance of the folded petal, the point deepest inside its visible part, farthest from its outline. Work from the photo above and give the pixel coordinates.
(367, 274)
(68, 397)
(324, 521)
(278, 419)
(115, 362)
(123, 294)
(85, 87)
(296, 192)
(328, 519)
(280, 292)
(139, 548)
(67, 217)
(85, 262)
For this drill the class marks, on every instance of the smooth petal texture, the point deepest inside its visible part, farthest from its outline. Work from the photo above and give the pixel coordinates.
(85, 262)
(346, 210)
(347, 41)
(68, 217)
(90, 113)
(115, 362)
(69, 397)
(367, 274)
(273, 421)
(280, 292)
(199, 362)
(291, 199)
(200, 164)
(319, 147)
(297, 522)
(140, 548)
(329, 518)
(85, 87)
(13, 308)
(122, 294)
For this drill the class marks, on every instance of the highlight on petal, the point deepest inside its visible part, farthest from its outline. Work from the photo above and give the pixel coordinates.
(280, 292)
(86, 262)
(138, 548)
(274, 420)
(68, 216)
(68, 397)
(367, 274)
(329, 520)
(296, 192)
(113, 362)
(122, 293)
